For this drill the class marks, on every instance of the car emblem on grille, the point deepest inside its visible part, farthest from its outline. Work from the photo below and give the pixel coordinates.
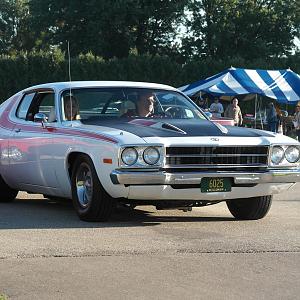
(215, 139)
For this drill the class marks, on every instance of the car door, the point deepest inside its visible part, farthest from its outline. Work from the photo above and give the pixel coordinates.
(31, 146)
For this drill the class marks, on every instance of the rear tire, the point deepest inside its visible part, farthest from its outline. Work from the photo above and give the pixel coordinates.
(90, 200)
(7, 194)
(251, 208)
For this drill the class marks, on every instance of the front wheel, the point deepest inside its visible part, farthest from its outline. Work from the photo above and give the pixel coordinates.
(7, 194)
(251, 208)
(90, 200)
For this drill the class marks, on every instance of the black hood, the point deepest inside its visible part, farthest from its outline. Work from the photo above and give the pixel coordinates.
(175, 127)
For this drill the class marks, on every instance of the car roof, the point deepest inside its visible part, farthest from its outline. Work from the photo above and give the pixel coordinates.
(58, 86)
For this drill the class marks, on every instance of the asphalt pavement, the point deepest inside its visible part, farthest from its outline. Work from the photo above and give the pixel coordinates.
(46, 252)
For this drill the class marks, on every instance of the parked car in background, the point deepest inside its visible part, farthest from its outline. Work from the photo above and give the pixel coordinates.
(99, 143)
(220, 120)
(258, 122)
(223, 121)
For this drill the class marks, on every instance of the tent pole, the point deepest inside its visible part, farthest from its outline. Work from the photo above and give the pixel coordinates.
(260, 108)
(255, 110)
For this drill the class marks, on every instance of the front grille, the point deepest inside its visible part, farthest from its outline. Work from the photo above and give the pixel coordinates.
(247, 156)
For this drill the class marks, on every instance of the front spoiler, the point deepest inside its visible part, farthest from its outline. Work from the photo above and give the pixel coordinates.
(127, 177)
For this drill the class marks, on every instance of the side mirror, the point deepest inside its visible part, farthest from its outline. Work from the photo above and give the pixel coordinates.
(40, 118)
(208, 114)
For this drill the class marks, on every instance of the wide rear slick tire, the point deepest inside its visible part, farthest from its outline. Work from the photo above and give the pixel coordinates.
(7, 194)
(251, 208)
(90, 200)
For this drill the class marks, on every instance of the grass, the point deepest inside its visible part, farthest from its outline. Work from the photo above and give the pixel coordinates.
(3, 297)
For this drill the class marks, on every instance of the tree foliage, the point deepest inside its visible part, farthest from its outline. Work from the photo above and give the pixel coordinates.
(21, 70)
(14, 26)
(219, 29)
(110, 28)
(246, 28)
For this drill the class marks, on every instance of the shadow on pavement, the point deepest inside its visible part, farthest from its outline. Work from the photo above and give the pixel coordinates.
(48, 214)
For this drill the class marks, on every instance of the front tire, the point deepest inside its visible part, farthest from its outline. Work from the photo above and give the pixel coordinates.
(7, 194)
(251, 208)
(90, 200)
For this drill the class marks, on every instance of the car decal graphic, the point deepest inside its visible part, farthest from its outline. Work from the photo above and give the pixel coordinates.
(166, 127)
(8, 124)
(142, 122)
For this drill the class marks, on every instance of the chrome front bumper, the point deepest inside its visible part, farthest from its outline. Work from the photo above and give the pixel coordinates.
(164, 178)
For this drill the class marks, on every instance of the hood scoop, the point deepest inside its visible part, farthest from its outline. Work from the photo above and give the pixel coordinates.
(172, 127)
(222, 128)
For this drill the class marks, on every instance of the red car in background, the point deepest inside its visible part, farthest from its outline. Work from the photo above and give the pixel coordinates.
(223, 121)
(220, 120)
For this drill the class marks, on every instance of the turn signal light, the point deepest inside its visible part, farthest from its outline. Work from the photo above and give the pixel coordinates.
(107, 160)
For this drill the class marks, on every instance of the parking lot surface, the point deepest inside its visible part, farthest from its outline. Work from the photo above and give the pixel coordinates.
(46, 252)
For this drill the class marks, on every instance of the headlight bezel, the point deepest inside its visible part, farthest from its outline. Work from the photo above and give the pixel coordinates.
(140, 162)
(286, 155)
(281, 157)
(284, 161)
(147, 160)
(133, 151)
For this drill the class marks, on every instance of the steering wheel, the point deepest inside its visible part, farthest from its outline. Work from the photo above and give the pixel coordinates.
(175, 112)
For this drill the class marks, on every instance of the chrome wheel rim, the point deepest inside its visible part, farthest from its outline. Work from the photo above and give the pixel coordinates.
(84, 185)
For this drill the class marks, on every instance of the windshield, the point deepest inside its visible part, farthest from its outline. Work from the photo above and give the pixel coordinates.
(103, 103)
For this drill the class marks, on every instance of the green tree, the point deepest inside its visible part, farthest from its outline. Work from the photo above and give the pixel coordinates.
(14, 26)
(247, 28)
(155, 25)
(109, 28)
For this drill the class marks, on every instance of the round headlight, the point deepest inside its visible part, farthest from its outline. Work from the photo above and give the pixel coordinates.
(151, 155)
(129, 156)
(277, 154)
(292, 154)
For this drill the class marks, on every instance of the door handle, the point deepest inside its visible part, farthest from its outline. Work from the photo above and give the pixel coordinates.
(17, 130)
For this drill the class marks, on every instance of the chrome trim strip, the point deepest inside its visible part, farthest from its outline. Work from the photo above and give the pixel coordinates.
(215, 155)
(182, 166)
(217, 145)
(164, 178)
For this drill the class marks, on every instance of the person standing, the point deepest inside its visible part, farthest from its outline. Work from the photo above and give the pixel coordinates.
(202, 104)
(234, 112)
(296, 121)
(272, 118)
(216, 108)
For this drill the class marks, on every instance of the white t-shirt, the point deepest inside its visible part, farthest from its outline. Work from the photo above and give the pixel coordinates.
(216, 109)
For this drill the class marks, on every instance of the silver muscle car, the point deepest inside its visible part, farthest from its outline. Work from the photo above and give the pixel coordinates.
(99, 143)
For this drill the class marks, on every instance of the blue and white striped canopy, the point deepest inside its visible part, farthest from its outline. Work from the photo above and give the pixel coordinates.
(282, 85)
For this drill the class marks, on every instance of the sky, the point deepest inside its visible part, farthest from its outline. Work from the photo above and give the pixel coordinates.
(297, 42)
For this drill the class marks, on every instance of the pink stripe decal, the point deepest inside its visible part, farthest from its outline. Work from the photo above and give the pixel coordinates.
(142, 122)
(6, 123)
(4, 120)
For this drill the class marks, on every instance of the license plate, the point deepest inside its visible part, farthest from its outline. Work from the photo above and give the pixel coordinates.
(215, 184)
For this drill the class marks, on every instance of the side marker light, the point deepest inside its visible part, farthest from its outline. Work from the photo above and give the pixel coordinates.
(107, 160)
